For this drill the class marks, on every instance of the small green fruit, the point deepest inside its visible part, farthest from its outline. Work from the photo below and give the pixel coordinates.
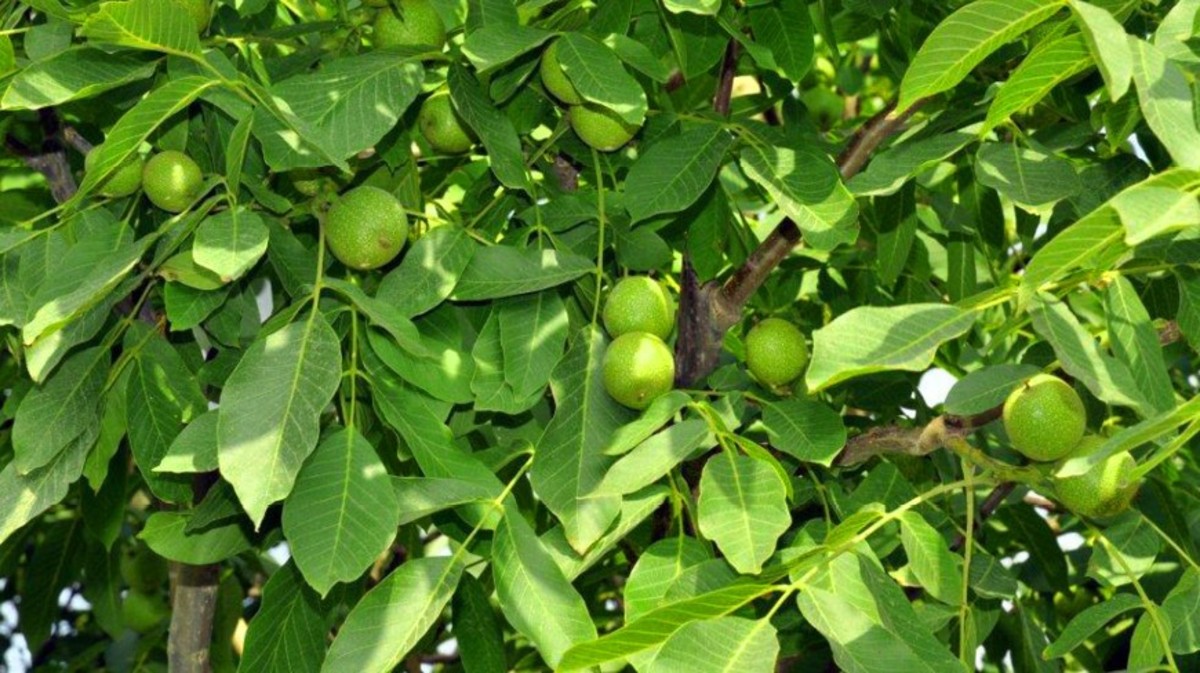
(409, 23)
(171, 180)
(555, 80)
(1044, 418)
(600, 127)
(638, 368)
(1103, 491)
(142, 569)
(442, 127)
(776, 352)
(639, 304)
(366, 228)
(124, 181)
(143, 612)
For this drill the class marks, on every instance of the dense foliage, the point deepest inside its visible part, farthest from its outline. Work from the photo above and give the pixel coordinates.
(306, 366)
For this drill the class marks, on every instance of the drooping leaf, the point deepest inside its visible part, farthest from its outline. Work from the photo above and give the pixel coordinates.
(1087, 622)
(531, 587)
(1166, 102)
(503, 271)
(933, 564)
(392, 617)
(230, 242)
(1108, 44)
(271, 407)
(72, 75)
(808, 430)
(493, 127)
(288, 633)
(808, 189)
(717, 645)
(1048, 65)
(675, 171)
(429, 271)
(166, 533)
(743, 508)
(156, 25)
(986, 388)
(342, 513)
(58, 412)
(570, 464)
(598, 76)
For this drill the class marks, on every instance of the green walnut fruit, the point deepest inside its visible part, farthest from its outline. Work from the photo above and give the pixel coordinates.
(142, 612)
(1103, 491)
(638, 368)
(639, 304)
(600, 127)
(366, 228)
(200, 12)
(124, 181)
(142, 569)
(409, 23)
(171, 180)
(776, 352)
(442, 127)
(1044, 418)
(555, 80)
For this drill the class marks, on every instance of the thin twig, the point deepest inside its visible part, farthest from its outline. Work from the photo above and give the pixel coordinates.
(50, 159)
(988, 508)
(76, 140)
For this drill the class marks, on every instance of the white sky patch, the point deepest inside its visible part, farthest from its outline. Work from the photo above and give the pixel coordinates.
(935, 385)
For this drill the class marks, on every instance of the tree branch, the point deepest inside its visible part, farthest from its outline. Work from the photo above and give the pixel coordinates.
(708, 311)
(50, 159)
(724, 94)
(193, 604)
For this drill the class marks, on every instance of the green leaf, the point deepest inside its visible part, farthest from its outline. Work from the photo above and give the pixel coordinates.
(136, 125)
(660, 411)
(933, 564)
(654, 457)
(287, 635)
(194, 448)
(1094, 242)
(1033, 179)
(496, 44)
(70, 75)
(871, 339)
(720, 645)
(230, 242)
(89, 271)
(445, 374)
(429, 271)
(58, 412)
(635, 509)
(600, 78)
(1135, 342)
(1108, 44)
(342, 513)
(24, 496)
(494, 128)
(743, 508)
(187, 307)
(807, 188)
(805, 429)
(638, 56)
(155, 25)
(888, 171)
(418, 497)
(344, 108)
(1146, 649)
(708, 7)
(480, 638)
(1166, 101)
(964, 39)
(675, 171)
(863, 613)
(271, 407)
(400, 328)
(166, 533)
(659, 566)
(1164, 204)
(398, 612)
(786, 28)
(503, 271)
(1049, 64)
(570, 464)
(1107, 378)
(1083, 625)
(656, 626)
(154, 417)
(1182, 607)
(986, 388)
(531, 588)
(1132, 547)
(54, 562)
(533, 334)
(1132, 437)
(235, 154)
